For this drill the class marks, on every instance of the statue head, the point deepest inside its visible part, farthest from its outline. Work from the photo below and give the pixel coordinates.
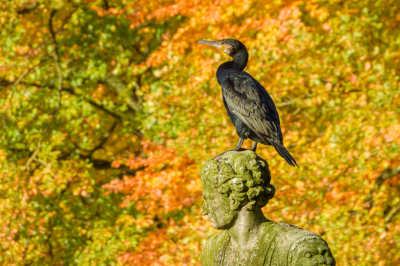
(233, 182)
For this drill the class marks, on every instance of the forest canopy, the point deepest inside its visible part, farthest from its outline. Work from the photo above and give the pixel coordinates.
(109, 108)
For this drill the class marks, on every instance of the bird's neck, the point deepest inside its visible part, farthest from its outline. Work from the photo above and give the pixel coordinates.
(239, 62)
(240, 59)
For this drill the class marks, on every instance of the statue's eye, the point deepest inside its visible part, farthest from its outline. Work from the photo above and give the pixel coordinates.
(308, 255)
(222, 42)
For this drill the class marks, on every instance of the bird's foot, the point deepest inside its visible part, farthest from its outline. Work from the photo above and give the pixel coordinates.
(235, 149)
(254, 147)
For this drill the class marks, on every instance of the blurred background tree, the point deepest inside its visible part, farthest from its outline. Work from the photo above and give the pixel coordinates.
(108, 108)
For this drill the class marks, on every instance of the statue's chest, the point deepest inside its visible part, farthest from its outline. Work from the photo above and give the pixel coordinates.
(235, 256)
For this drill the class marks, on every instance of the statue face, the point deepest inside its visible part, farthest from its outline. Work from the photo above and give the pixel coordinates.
(218, 208)
(312, 252)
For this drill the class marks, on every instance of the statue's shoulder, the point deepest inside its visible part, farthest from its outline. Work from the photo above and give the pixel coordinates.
(213, 248)
(291, 231)
(217, 238)
(290, 245)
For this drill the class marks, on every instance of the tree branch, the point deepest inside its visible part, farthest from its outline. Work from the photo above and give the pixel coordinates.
(21, 77)
(106, 137)
(385, 175)
(52, 225)
(18, 81)
(100, 145)
(27, 7)
(106, 165)
(106, 5)
(91, 102)
(392, 213)
(33, 156)
(100, 107)
(59, 89)
(73, 92)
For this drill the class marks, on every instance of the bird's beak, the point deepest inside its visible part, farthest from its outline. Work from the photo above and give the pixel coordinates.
(212, 43)
(215, 44)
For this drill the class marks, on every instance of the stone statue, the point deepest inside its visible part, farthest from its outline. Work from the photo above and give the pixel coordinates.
(236, 185)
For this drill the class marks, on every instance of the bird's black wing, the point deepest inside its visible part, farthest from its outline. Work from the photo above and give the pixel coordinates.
(243, 99)
(246, 100)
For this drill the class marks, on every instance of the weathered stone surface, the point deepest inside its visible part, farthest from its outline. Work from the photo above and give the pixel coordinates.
(236, 185)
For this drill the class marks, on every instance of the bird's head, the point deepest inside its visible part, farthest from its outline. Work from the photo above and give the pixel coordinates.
(228, 46)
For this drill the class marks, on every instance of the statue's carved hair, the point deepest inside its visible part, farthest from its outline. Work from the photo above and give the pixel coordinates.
(241, 176)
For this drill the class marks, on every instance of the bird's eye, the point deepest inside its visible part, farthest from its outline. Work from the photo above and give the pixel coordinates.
(222, 42)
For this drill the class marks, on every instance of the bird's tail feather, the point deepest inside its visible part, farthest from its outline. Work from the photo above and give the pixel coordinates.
(285, 154)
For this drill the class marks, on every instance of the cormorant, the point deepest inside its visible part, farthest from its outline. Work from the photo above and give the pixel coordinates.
(249, 106)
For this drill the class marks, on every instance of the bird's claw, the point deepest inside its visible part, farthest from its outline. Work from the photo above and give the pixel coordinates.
(240, 149)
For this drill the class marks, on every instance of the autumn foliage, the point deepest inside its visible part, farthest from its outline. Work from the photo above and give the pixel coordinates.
(109, 108)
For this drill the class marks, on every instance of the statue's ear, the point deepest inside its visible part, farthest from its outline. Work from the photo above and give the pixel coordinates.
(233, 203)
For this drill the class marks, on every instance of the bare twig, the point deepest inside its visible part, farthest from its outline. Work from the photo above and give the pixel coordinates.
(41, 162)
(18, 81)
(21, 77)
(285, 103)
(33, 156)
(392, 213)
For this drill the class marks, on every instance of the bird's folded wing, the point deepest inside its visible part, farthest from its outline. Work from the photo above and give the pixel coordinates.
(243, 99)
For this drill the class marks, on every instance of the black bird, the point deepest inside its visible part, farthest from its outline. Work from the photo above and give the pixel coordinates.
(248, 104)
